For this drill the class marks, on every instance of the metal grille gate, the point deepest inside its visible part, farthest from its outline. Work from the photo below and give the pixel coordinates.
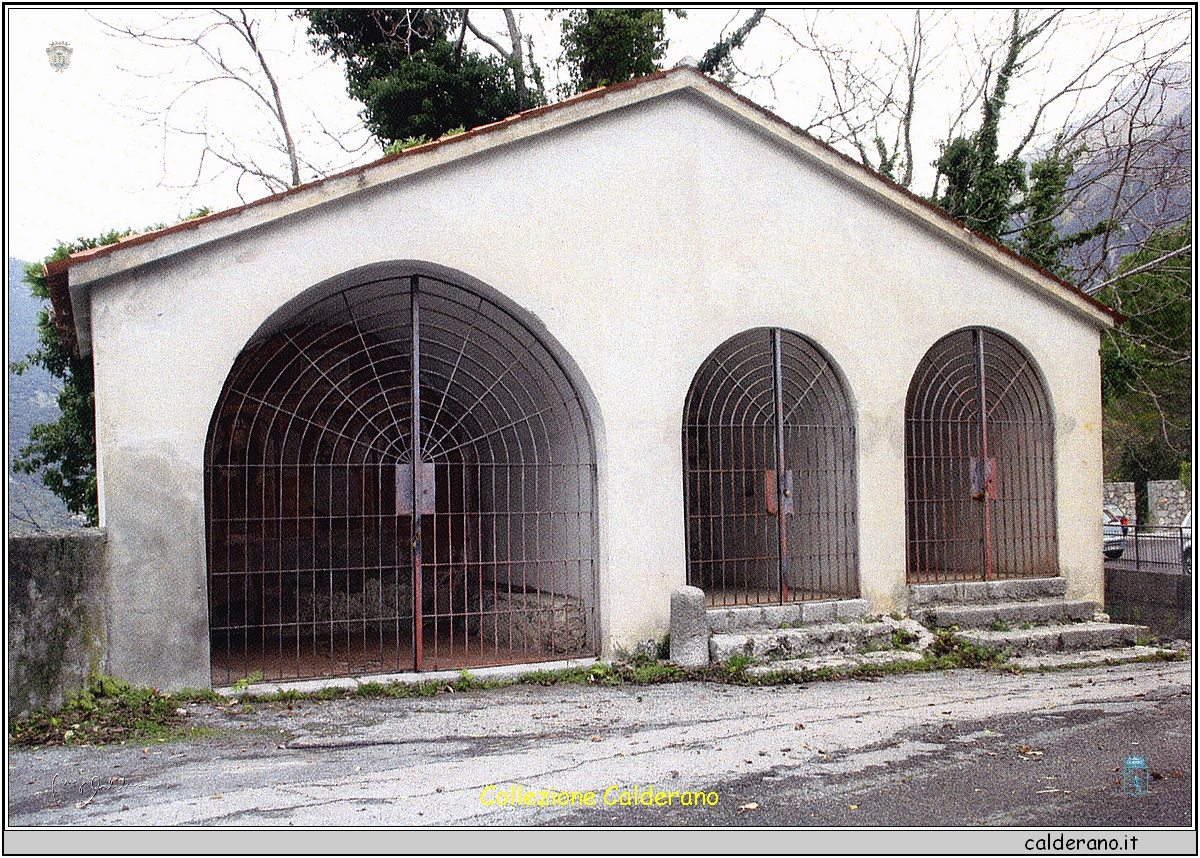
(979, 446)
(358, 522)
(767, 403)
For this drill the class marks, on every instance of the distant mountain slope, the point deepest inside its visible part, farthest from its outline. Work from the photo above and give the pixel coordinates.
(1143, 181)
(32, 398)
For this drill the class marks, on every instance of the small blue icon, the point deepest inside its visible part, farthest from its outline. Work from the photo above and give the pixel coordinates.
(1134, 776)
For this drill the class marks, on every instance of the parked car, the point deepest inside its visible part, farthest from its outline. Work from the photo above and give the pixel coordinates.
(1116, 526)
(1186, 538)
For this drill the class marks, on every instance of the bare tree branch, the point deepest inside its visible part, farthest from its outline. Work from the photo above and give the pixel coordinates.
(487, 39)
(229, 46)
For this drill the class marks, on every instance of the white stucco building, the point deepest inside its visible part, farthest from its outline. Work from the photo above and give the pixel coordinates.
(629, 314)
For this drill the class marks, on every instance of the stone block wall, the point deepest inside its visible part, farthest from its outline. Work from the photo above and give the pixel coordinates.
(56, 616)
(1169, 501)
(1123, 495)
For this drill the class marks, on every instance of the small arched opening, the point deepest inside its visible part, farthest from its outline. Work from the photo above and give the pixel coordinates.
(768, 402)
(979, 463)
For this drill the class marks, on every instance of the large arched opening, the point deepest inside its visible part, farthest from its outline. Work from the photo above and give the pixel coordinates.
(400, 475)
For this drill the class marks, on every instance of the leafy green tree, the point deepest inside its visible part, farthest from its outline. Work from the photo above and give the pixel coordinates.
(64, 452)
(413, 79)
(1146, 364)
(606, 46)
(417, 78)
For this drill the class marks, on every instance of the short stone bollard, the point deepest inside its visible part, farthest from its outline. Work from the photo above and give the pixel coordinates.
(689, 628)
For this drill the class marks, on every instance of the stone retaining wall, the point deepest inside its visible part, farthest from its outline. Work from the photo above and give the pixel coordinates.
(56, 616)
(1169, 501)
(1123, 495)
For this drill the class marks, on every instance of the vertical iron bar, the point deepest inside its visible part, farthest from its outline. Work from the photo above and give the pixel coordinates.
(780, 461)
(415, 402)
(981, 379)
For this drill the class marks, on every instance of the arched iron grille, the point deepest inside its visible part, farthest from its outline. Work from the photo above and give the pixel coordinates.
(768, 402)
(359, 523)
(979, 480)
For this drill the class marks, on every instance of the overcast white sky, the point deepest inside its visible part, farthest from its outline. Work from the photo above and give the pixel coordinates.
(79, 159)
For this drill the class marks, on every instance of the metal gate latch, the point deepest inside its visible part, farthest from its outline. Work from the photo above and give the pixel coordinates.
(426, 489)
(983, 480)
(772, 492)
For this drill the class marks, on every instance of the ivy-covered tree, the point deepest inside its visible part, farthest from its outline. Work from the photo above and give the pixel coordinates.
(980, 186)
(1006, 199)
(1036, 232)
(1146, 363)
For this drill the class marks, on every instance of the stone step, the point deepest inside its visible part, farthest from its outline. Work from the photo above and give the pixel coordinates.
(1013, 614)
(1013, 590)
(1050, 639)
(819, 640)
(837, 664)
(750, 618)
(1090, 657)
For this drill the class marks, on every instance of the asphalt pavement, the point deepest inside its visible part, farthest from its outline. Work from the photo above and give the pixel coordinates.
(918, 760)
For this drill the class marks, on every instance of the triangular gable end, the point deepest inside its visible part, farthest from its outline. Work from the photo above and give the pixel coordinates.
(71, 279)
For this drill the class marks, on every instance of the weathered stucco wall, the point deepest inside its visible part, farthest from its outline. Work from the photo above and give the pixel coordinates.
(56, 616)
(641, 239)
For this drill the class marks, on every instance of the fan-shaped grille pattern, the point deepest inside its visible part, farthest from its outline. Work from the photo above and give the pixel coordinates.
(979, 481)
(330, 553)
(753, 384)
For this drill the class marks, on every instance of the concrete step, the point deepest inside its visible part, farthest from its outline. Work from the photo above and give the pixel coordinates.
(822, 639)
(1050, 639)
(751, 618)
(1013, 614)
(1013, 590)
(837, 664)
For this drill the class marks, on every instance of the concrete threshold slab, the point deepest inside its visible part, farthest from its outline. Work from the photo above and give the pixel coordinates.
(311, 686)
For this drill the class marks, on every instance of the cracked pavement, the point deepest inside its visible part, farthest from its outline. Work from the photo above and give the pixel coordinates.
(924, 749)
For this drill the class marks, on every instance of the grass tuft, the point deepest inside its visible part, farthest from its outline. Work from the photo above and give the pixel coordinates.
(108, 710)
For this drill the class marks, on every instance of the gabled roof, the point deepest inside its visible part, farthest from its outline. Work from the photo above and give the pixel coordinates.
(70, 278)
